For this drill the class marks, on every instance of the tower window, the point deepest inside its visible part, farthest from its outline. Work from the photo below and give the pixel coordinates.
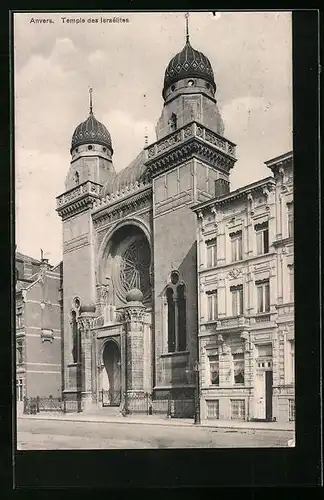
(89, 147)
(173, 121)
(76, 150)
(76, 178)
(190, 83)
(208, 86)
(104, 150)
(172, 88)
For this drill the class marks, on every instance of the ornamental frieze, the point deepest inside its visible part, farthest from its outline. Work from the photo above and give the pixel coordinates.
(236, 273)
(112, 214)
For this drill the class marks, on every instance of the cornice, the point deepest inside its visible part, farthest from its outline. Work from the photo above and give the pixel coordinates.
(78, 199)
(123, 206)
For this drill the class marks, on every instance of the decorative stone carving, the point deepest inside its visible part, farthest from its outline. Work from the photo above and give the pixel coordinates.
(135, 314)
(236, 273)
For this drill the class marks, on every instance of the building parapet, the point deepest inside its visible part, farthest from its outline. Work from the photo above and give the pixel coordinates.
(120, 196)
(184, 133)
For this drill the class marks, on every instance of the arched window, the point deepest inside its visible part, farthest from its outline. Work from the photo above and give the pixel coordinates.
(182, 341)
(75, 337)
(173, 122)
(171, 320)
(76, 178)
(176, 316)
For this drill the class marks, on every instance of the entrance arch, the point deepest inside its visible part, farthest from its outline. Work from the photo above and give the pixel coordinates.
(111, 380)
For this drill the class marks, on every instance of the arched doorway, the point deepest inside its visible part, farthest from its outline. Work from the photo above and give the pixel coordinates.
(111, 382)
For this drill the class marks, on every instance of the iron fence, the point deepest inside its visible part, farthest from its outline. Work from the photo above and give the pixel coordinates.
(110, 398)
(38, 404)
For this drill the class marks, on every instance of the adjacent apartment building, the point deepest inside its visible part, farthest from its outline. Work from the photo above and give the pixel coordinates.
(38, 328)
(245, 264)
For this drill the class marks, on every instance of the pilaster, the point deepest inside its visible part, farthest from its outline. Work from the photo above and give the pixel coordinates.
(85, 324)
(134, 318)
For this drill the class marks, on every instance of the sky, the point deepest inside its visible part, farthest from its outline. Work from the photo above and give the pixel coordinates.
(56, 63)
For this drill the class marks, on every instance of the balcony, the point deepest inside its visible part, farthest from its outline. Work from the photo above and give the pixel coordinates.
(187, 132)
(286, 312)
(228, 323)
(85, 189)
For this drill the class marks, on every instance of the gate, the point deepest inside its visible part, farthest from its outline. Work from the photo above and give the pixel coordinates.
(110, 398)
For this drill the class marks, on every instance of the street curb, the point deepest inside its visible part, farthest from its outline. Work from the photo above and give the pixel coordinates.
(168, 423)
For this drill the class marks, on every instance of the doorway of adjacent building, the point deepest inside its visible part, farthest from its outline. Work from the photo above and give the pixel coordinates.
(111, 379)
(263, 395)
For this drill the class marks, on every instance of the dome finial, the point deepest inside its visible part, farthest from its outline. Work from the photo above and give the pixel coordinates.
(187, 26)
(146, 137)
(90, 98)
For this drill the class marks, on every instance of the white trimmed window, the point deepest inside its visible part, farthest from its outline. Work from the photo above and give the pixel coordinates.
(213, 409)
(237, 300)
(236, 246)
(211, 249)
(263, 296)
(262, 238)
(212, 305)
(238, 409)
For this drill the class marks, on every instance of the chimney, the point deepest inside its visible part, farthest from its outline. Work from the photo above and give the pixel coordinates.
(222, 187)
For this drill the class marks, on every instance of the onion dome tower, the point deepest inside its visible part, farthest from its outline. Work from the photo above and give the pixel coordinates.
(189, 91)
(91, 151)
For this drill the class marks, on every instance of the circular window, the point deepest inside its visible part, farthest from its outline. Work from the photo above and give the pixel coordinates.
(76, 303)
(89, 147)
(174, 277)
(104, 150)
(76, 150)
(134, 267)
(172, 88)
(190, 83)
(208, 86)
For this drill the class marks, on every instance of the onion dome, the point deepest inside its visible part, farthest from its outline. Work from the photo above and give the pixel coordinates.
(91, 131)
(188, 63)
(134, 295)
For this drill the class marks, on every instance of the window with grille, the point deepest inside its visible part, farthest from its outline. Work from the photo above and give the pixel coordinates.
(238, 361)
(263, 296)
(290, 209)
(262, 238)
(214, 369)
(211, 253)
(236, 246)
(291, 410)
(212, 305)
(238, 409)
(237, 300)
(213, 409)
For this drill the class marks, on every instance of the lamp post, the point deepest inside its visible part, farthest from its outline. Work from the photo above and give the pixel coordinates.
(197, 395)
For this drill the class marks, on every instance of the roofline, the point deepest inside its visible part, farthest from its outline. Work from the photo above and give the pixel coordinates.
(23, 257)
(279, 159)
(234, 194)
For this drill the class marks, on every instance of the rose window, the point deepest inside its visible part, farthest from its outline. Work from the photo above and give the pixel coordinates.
(135, 267)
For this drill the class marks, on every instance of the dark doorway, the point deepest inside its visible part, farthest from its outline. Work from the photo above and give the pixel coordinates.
(268, 391)
(111, 396)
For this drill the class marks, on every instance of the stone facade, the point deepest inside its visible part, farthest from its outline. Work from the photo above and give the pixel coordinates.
(246, 302)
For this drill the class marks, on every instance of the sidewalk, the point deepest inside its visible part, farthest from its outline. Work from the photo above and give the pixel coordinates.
(161, 420)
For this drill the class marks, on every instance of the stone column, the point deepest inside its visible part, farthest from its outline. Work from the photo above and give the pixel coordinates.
(85, 324)
(134, 319)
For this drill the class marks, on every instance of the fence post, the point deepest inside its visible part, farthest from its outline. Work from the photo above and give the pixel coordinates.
(37, 404)
(169, 405)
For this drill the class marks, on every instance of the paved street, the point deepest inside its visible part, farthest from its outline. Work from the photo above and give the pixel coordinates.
(65, 435)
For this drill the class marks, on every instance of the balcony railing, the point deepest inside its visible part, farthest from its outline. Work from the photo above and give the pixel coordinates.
(185, 133)
(286, 309)
(86, 188)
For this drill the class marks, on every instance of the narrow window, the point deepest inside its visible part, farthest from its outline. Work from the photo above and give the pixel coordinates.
(171, 320)
(290, 209)
(214, 369)
(20, 358)
(212, 305)
(238, 361)
(237, 300)
(263, 296)
(182, 341)
(262, 238)
(211, 252)
(291, 361)
(236, 245)
(291, 282)
(173, 122)
(75, 338)
(76, 178)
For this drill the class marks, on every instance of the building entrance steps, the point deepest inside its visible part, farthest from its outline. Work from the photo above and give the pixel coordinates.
(104, 416)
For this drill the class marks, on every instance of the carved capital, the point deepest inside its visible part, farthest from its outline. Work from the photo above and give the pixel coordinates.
(134, 314)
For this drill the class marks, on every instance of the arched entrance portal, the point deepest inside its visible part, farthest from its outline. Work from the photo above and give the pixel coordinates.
(111, 383)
